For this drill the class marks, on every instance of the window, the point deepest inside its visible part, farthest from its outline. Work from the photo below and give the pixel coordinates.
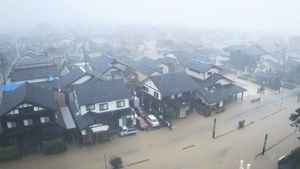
(13, 112)
(156, 95)
(11, 124)
(45, 120)
(35, 108)
(28, 122)
(120, 103)
(90, 107)
(103, 106)
(24, 105)
(145, 89)
(83, 132)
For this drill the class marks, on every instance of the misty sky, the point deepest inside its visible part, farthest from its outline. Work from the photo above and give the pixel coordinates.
(247, 15)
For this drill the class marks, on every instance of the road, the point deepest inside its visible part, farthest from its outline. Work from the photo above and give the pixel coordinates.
(189, 145)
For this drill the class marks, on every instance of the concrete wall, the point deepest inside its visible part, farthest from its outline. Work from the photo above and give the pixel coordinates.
(201, 76)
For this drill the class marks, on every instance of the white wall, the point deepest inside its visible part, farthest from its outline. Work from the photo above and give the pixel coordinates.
(194, 74)
(152, 88)
(164, 68)
(112, 106)
(82, 80)
(36, 80)
(214, 70)
(223, 82)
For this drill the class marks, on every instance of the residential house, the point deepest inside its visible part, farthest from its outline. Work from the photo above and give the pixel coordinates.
(103, 67)
(169, 95)
(216, 92)
(147, 66)
(101, 107)
(76, 76)
(28, 115)
(201, 71)
(169, 65)
(32, 71)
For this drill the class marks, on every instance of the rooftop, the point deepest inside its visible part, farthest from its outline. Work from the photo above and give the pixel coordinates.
(97, 91)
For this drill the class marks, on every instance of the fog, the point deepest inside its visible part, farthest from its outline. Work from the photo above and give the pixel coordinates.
(255, 15)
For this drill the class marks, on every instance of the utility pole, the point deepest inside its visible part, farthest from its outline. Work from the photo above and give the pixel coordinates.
(265, 145)
(105, 161)
(85, 56)
(3, 68)
(214, 128)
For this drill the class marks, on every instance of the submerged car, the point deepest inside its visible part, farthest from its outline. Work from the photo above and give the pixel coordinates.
(152, 120)
(125, 131)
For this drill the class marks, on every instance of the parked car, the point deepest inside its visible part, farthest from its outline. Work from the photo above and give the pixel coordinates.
(152, 120)
(125, 131)
(142, 124)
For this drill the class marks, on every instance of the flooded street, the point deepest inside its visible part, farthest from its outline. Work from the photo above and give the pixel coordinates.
(190, 145)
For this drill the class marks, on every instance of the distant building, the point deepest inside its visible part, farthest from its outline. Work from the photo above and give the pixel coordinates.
(35, 71)
(201, 71)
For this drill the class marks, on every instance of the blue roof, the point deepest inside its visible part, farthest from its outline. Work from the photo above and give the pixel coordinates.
(9, 87)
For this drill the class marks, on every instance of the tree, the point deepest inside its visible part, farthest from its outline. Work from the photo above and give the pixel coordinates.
(241, 60)
(292, 75)
(295, 118)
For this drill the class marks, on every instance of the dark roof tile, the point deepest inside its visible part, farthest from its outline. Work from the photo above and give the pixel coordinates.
(97, 91)
(29, 93)
(173, 83)
(25, 74)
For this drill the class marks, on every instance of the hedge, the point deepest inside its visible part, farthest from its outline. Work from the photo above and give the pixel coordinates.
(9, 153)
(54, 146)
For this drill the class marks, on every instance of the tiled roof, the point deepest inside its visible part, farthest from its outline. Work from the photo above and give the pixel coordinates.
(97, 91)
(25, 74)
(173, 83)
(29, 93)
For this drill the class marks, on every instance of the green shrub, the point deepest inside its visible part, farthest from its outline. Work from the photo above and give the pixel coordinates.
(54, 146)
(9, 153)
